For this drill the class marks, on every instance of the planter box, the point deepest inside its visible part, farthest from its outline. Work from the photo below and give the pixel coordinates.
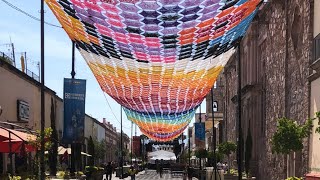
(230, 177)
(250, 178)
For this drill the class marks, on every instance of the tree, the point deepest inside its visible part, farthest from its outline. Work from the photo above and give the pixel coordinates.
(53, 152)
(248, 150)
(100, 150)
(176, 147)
(226, 148)
(201, 153)
(318, 117)
(91, 151)
(289, 136)
(211, 156)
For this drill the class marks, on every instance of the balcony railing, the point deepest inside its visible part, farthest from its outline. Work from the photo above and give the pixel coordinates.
(6, 58)
(316, 50)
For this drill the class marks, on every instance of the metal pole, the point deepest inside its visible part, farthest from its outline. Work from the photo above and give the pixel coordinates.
(10, 153)
(239, 115)
(42, 165)
(26, 62)
(73, 145)
(131, 141)
(213, 138)
(201, 143)
(13, 55)
(73, 73)
(189, 147)
(121, 150)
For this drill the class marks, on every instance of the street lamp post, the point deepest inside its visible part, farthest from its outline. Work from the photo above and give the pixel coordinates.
(239, 115)
(214, 137)
(121, 150)
(42, 104)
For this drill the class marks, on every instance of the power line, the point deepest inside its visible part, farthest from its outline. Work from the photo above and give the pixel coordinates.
(113, 112)
(27, 14)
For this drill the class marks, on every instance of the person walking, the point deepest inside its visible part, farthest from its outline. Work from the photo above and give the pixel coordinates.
(132, 173)
(108, 170)
(161, 168)
(189, 172)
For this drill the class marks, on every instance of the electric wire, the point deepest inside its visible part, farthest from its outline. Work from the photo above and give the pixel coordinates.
(27, 14)
(113, 112)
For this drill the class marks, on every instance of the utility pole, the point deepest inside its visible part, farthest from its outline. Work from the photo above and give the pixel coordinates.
(42, 166)
(200, 146)
(239, 114)
(121, 148)
(131, 142)
(189, 146)
(73, 145)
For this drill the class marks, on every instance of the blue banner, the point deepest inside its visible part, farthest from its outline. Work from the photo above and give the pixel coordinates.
(200, 133)
(74, 95)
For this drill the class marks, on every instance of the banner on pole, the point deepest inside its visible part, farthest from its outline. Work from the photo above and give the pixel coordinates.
(200, 134)
(74, 95)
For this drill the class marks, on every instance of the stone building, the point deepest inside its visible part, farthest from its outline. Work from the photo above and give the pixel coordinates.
(314, 153)
(275, 56)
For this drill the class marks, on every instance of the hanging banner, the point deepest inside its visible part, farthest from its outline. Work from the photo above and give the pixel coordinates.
(74, 95)
(200, 134)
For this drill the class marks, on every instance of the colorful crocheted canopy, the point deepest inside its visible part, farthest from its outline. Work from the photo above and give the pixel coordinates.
(157, 58)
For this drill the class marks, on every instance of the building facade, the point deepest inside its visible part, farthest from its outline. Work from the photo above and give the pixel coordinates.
(275, 56)
(111, 141)
(20, 104)
(136, 146)
(314, 153)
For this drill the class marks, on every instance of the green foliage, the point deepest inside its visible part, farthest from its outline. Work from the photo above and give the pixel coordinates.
(14, 177)
(201, 153)
(99, 149)
(53, 152)
(294, 178)
(289, 135)
(91, 150)
(226, 148)
(37, 142)
(61, 174)
(248, 151)
(318, 116)
(176, 147)
(91, 168)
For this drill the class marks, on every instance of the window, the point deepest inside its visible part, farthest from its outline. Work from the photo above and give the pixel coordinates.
(316, 48)
(215, 85)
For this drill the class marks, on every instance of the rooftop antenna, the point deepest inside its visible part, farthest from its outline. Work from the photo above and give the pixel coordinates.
(13, 54)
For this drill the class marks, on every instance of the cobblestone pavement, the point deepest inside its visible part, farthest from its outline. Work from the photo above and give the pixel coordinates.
(152, 175)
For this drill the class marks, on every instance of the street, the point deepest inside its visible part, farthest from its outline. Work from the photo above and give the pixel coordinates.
(151, 175)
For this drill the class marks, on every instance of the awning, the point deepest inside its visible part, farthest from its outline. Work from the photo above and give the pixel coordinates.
(17, 139)
(62, 150)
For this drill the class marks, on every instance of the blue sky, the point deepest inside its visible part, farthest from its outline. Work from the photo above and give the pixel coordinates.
(25, 34)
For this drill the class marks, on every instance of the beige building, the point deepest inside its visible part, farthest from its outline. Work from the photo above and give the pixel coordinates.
(314, 156)
(20, 103)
